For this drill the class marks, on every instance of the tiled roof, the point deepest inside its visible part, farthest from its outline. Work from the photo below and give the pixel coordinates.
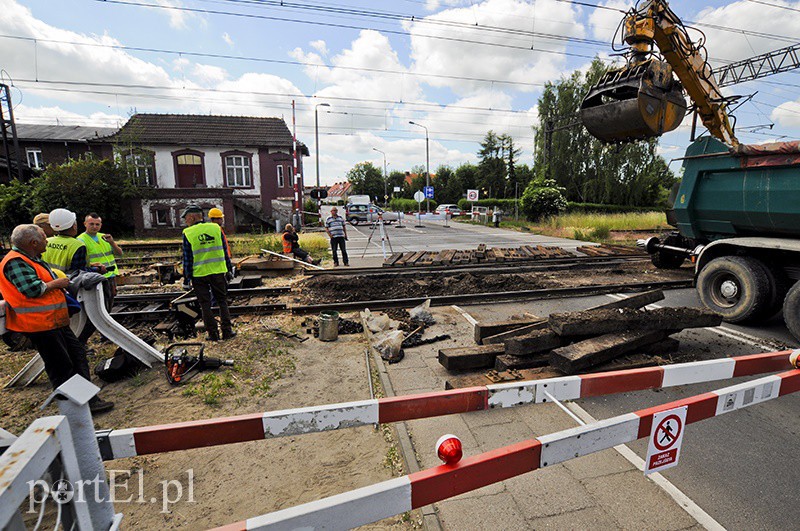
(61, 132)
(339, 189)
(206, 130)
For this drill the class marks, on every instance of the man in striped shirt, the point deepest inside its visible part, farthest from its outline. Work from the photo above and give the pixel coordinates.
(337, 232)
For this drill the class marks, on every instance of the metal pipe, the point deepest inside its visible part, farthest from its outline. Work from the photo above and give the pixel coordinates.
(292, 259)
(427, 167)
(316, 137)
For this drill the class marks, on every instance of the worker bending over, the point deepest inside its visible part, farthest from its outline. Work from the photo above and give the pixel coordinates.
(206, 265)
(36, 306)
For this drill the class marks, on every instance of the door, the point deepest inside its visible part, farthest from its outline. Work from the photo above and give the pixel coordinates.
(189, 169)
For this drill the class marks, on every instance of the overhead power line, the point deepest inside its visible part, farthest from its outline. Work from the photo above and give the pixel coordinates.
(788, 8)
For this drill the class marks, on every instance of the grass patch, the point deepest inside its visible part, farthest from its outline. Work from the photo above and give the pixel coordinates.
(318, 245)
(608, 222)
(211, 388)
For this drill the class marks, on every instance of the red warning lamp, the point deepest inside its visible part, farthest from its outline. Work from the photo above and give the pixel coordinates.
(448, 448)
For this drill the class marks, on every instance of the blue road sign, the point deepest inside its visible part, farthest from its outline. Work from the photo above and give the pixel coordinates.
(429, 192)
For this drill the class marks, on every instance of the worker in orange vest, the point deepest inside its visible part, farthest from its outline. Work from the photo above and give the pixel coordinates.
(36, 306)
(291, 245)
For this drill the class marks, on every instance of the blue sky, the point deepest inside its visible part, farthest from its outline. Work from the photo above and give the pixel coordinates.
(456, 68)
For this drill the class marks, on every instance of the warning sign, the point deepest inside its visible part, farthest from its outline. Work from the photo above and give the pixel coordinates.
(666, 437)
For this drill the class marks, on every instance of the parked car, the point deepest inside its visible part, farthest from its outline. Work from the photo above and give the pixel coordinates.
(356, 214)
(454, 210)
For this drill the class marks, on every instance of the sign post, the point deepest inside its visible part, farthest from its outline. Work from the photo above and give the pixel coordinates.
(419, 197)
(666, 436)
(472, 196)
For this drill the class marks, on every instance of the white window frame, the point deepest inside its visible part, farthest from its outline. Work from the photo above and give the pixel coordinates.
(243, 177)
(281, 177)
(167, 222)
(38, 160)
(143, 170)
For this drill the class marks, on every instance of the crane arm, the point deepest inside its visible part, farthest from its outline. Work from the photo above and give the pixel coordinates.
(656, 23)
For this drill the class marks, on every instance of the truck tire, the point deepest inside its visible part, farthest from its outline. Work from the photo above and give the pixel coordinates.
(791, 310)
(779, 284)
(735, 287)
(353, 221)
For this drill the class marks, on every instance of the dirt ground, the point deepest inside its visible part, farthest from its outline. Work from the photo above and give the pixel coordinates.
(332, 288)
(238, 481)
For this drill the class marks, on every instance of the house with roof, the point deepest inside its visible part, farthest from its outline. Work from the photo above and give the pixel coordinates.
(41, 145)
(338, 192)
(240, 164)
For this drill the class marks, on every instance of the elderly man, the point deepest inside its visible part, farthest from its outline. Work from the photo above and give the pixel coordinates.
(101, 248)
(336, 228)
(206, 264)
(36, 306)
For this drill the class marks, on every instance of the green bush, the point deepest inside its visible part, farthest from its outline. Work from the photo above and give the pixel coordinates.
(542, 199)
(506, 205)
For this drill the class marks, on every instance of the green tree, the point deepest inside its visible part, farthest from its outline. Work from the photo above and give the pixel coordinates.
(88, 185)
(15, 207)
(467, 177)
(444, 175)
(589, 170)
(366, 179)
(396, 178)
(542, 198)
(492, 166)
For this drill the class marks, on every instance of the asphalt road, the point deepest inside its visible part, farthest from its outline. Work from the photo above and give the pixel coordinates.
(739, 467)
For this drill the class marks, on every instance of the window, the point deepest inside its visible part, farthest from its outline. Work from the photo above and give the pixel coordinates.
(281, 182)
(189, 160)
(142, 168)
(161, 217)
(35, 160)
(237, 171)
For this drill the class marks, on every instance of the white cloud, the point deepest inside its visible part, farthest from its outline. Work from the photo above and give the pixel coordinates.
(319, 46)
(604, 22)
(209, 74)
(228, 40)
(492, 62)
(58, 116)
(178, 18)
(787, 114)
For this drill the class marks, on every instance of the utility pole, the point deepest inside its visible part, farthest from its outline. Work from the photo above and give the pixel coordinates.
(385, 175)
(427, 166)
(316, 138)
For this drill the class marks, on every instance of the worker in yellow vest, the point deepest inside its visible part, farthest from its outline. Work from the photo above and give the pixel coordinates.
(36, 306)
(207, 265)
(65, 251)
(101, 248)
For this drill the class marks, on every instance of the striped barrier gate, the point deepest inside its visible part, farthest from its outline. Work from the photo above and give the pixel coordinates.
(129, 442)
(396, 496)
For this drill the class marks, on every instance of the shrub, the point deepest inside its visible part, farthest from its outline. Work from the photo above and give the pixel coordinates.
(506, 205)
(543, 198)
(603, 209)
(399, 204)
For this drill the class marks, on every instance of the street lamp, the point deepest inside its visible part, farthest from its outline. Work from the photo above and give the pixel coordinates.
(385, 176)
(316, 137)
(427, 166)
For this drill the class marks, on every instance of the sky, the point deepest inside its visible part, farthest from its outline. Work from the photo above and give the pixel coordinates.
(458, 67)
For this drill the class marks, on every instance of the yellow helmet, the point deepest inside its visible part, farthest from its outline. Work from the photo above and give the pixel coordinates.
(58, 273)
(215, 213)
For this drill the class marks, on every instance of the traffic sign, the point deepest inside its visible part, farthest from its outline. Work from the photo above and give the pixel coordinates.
(419, 197)
(666, 437)
(396, 189)
(472, 195)
(429, 192)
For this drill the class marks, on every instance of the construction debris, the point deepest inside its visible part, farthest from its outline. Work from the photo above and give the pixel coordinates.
(476, 256)
(607, 250)
(597, 322)
(467, 358)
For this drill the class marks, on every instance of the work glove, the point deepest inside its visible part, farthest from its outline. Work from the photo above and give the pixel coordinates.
(228, 276)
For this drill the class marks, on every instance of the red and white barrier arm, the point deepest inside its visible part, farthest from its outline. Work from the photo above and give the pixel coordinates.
(396, 496)
(212, 432)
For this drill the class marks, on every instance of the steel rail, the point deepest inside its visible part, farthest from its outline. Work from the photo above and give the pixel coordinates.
(167, 296)
(491, 267)
(234, 310)
(480, 298)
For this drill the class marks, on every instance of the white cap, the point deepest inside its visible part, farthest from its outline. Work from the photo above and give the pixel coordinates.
(62, 219)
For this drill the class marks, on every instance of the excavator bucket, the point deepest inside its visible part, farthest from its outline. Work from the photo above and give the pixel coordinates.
(634, 103)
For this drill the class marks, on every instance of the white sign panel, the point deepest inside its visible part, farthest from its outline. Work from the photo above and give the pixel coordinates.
(419, 197)
(396, 188)
(666, 436)
(472, 195)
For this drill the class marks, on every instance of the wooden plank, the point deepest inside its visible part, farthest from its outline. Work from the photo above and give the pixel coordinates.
(521, 331)
(534, 342)
(466, 358)
(505, 362)
(465, 314)
(597, 350)
(477, 379)
(608, 321)
(485, 329)
(389, 262)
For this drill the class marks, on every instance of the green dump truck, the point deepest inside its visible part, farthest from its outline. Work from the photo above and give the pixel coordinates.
(737, 215)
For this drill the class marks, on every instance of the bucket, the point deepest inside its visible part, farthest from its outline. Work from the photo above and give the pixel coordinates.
(328, 326)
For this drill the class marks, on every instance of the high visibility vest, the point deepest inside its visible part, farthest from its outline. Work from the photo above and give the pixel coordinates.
(208, 253)
(60, 250)
(32, 314)
(287, 245)
(100, 252)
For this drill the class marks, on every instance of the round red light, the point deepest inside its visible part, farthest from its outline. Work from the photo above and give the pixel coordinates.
(448, 448)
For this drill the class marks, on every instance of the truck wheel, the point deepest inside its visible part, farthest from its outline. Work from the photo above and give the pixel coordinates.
(736, 287)
(353, 221)
(779, 284)
(791, 310)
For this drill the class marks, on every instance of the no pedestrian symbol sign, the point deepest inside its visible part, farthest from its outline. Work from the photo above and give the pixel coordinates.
(666, 437)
